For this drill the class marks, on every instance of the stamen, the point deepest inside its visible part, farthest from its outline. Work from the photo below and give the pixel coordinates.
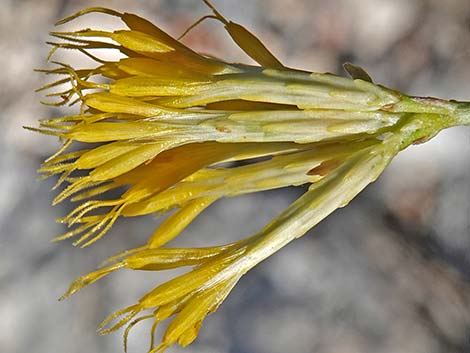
(95, 191)
(130, 326)
(202, 19)
(87, 11)
(67, 144)
(217, 14)
(131, 312)
(63, 178)
(152, 333)
(75, 231)
(85, 208)
(115, 213)
(53, 84)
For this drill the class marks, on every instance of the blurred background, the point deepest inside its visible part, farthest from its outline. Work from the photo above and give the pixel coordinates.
(390, 273)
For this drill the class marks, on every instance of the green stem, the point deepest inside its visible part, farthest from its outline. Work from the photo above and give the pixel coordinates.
(462, 114)
(458, 113)
(428, 116)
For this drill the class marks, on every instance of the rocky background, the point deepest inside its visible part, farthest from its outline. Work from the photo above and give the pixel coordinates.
(390, 273)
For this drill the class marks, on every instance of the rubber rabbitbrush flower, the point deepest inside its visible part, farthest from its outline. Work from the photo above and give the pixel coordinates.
(161, 122)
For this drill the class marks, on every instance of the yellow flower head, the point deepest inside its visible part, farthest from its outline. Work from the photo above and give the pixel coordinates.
(161, 121)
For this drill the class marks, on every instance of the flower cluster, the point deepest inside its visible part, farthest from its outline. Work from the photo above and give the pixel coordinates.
(161, 122)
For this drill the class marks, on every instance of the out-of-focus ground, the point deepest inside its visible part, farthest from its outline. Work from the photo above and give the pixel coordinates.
(390, 273)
